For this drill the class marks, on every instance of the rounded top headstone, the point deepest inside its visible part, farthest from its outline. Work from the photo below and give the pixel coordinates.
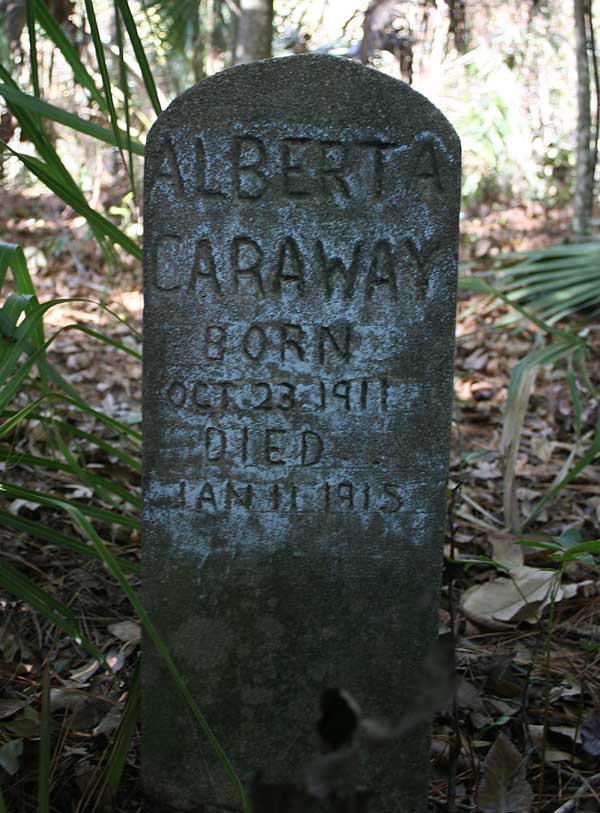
(300, 253)
(304, 88)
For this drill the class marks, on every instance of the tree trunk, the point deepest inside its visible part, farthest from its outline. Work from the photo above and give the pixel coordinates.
(584, 173)
(254, 30)
(198, 45)
(377, 16)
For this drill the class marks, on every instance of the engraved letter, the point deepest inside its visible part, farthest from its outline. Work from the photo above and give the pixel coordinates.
(271, 450)
(422, 262)
(426, 165)
(163, 260)
(296, 180)
(246, 260)
(381, 271)
(341, 390)
(249, 159)
(390, 491)
(333, 165)
(204, 406)
(204, 266)
(376, 151)
(311, 448)
(254, 343)
(288, 330)
(340, 345)
(169, 169)
(201, 173)
(176, 393)
(346, 494)
(207, 495)
(215, 443)
(290, 266)
(231, 494)
(214, 342)
(333, 269)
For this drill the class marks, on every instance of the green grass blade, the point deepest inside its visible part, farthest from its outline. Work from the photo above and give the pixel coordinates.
(574, 472)
(111, 451)
(124, 85)
(35, 133)
(140, 54)
(574, 394)
(53, 172)
(106, 83)
(67, 427)
(35, 76)
(64, 191)
(45, 747)
(12, 459)
(12, 256)
(65, 504)
(38, 530)
(106, 495)
(14, 306)
(538, 358)
(68, 50)
(479, 285)
(112, 423)
(122, 740)
(106, 339)
(71, 120)
(113, 566)
(57, 613)
(592, 547)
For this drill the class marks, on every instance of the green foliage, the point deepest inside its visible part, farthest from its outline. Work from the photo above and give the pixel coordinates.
(557, 281)
(568, 547)
(24, 368)
(32, 390)
(177, 18)
(562, 345)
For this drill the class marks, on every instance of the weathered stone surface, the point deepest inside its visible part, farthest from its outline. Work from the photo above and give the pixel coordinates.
(301, 227)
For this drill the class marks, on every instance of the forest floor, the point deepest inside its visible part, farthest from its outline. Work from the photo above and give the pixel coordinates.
(526, 675)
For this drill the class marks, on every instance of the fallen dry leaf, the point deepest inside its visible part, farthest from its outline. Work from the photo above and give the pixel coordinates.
(10, 756)
(8, 707)
(567, 689)
(590, 734)
(551, 753)
(503, 787)
(109, 723)
(521, 596)
(85, 672)
(126, 631)
(66, 699)
(115, 660)
(505, 551)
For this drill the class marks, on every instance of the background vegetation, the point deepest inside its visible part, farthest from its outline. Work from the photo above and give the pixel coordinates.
(81, 84)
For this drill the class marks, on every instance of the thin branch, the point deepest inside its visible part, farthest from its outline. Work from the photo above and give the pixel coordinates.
(596, 77)
(571, 805)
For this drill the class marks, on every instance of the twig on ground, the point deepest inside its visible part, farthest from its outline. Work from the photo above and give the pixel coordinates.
(456, 745)
(586, 785)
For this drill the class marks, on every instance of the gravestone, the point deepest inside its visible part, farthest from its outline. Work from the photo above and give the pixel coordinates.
(301, 223)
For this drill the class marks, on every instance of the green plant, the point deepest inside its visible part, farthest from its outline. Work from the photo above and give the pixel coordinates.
(568, 547)
(557, 346)
(25, 371)
(556, 281)
(33, 391)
